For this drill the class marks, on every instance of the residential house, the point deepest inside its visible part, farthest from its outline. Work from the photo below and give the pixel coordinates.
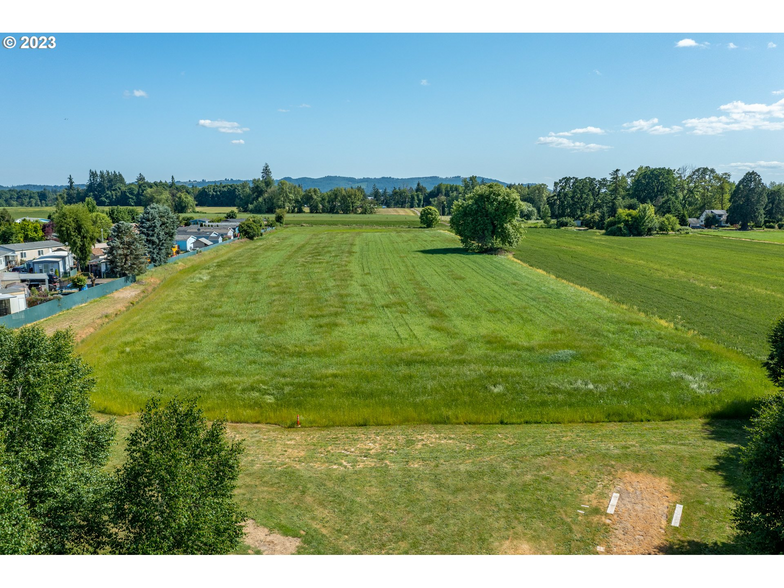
(14, 254)
(40, 281)
(201, 242)
(13, 298)
(719, 214)
(99, 263)
(694, 223)
(59, 263)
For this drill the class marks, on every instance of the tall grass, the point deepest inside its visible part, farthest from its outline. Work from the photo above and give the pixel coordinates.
(361, 327)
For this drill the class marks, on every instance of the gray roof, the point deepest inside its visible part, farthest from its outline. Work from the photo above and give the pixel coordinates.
(716, 211)
(33, 245)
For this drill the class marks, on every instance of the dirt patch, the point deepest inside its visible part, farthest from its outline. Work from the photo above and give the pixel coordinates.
(640, 520)
(516, 547)
(268, 543)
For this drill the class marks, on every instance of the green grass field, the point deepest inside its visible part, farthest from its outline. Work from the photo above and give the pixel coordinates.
(726, 289)
(364, 326)
(772, 235)
(482, 489)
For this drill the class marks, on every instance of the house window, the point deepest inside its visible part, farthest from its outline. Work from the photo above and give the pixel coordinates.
(24, 255)
(40, 252)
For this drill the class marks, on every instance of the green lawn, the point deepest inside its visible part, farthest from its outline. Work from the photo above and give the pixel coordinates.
(727, 289)
(378, 219)
(482, 489)
(364, 326)
(32, 211)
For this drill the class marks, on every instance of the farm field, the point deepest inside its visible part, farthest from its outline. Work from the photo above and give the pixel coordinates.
(726, 289)
(491, 488)
(383, 326)
(772, 235)
(32, 211)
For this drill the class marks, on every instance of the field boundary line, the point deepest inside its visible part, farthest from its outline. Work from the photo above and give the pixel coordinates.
(632, 309)
(746, 239)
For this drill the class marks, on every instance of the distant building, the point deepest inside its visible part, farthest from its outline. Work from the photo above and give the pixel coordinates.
(719, 214)
(14, 254)
(201, 242)
(32, 219)
(694, 223)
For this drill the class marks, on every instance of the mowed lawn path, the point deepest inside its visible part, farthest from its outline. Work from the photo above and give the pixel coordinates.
(362, 326)
(727, 289)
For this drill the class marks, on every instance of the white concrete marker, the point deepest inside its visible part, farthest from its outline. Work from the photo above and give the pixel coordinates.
(581, 512)
(585, 506)
(613, 503)
(676, 518)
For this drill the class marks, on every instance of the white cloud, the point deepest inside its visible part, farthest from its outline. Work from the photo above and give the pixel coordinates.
(687, 43)
(739, 116)
(732, 46)
(304, 106)
(135, 93)
(223, 126)
(771, 45)
(283, 110)
(597, 72)
(424, 83)
(758, 165)
(650, 126)
(777, 92)
(561, 143)
(585, 130)
(238, 141)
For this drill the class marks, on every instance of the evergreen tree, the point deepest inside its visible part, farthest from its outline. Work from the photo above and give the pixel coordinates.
(158, 225)
(126, 252)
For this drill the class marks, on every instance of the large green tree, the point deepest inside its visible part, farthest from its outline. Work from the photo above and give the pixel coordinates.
(747, 203)
(174, 493)
(75, 227)
(126, 252)
(18, 529)
(653, 185)
(158, 225)
(55, 451)
(488, 218)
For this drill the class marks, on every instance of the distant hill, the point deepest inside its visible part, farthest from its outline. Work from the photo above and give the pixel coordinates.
(328, 182)
(324, 184)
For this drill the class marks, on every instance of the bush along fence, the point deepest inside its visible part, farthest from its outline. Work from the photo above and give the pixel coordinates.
(47, 309)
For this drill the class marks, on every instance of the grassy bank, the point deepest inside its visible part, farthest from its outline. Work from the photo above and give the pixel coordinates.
(362, 327)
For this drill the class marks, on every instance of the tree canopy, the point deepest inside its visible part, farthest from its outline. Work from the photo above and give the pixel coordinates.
(126, 251)
(75, 227)
(488, 218)
(747, 203)
(429, 217)
(158, 225)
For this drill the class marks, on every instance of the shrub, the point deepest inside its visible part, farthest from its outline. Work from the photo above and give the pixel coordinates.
(564, 221)
(79, 281)
(280, 216)
(668, 223)
(232, 214)
(429, 217)
(250, 229)
(769, 225)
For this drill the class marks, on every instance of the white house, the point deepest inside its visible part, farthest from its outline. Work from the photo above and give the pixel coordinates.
(719, 214)
(14, 254)
(184, 241)
(13, 298)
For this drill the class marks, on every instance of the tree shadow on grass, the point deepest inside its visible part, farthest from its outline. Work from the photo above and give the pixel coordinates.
(446, 251)
(727, 465)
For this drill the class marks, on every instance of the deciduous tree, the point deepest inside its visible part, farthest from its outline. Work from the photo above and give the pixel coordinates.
(429, 217)
(747, 203)
(488, 218)
(174, 493)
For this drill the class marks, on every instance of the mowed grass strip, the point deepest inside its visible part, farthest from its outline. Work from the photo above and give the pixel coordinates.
(363, 327)
(729, 290)
(481, 489)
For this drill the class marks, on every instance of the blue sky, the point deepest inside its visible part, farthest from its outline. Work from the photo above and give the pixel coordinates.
(519, 108)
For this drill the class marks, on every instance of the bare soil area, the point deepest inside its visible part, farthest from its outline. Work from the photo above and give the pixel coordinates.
(640, 520)
(261, 539)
